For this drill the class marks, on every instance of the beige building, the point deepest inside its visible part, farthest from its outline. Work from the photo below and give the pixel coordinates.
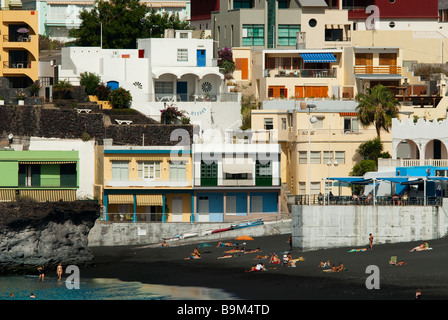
(315, 151)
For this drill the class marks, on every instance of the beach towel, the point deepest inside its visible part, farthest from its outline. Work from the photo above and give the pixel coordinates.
(358, 250)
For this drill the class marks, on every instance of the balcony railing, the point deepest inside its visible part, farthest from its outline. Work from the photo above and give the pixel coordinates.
(364, 201)
(17, 38)
(16, 64)
(301, 73)
(377, 69)
(192, 97)
(147, 183)
(412, 162)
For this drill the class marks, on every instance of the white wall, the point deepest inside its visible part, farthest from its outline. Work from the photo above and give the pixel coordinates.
(86, 159)
(323, 227)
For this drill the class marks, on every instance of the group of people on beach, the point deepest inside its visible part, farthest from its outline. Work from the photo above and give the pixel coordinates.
(41, 271)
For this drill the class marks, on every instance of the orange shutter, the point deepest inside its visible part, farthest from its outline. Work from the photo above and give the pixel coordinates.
(242, 64)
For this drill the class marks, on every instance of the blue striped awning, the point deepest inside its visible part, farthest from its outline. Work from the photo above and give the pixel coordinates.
(318, 57)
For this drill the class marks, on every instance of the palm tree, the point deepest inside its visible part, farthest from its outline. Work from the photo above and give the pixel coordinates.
(378, 107)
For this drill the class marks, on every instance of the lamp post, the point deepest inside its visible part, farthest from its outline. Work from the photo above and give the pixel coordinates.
(310, 120)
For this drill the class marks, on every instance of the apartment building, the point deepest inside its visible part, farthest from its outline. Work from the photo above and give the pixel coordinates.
(147, 183)
(20, 43)
(316, 142)
(236, 181)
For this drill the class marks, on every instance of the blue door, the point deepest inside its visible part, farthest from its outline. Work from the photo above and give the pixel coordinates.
(181, 91)
(201, 58)
(113, 85)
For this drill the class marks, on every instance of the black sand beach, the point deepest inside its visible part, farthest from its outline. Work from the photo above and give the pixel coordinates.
(424, 270)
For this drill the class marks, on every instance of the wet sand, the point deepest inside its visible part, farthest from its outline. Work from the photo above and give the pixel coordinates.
(425, 270)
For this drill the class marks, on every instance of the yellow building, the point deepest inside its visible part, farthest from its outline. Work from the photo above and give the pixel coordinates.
(147, 184)
(20, 47)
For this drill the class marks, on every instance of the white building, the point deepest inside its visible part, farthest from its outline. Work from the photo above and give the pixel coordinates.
(177, 69)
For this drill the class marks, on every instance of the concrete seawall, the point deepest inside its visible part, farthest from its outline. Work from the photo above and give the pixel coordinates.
(323, 227)
(116, 234)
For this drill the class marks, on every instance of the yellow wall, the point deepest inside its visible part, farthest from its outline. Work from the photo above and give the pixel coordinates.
(133, 172)
(30, 18)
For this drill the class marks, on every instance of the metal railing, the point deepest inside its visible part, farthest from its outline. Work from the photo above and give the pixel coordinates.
(192, 97)
(316, 199)
(301, 73)
(137, 217)
(16, 64)
(412, 162)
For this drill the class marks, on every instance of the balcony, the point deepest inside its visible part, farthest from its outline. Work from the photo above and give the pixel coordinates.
(412, 162)
(377, 69)
(301, 73)
(146, 184)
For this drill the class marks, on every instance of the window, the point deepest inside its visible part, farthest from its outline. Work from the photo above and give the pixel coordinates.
(182, 54)
(327, 157)
(178, 171)
(303, 157)
(312, 23)
(302, 188)
(334, 35)
(283, 4)
(315, 157)
(120, 170)
(263, 169)
(164, 87)
(148, 170)
(315, 187)
(351, 125)
(392, 24)
(242, 4)
(183, 35)
(319, 124)
(287, 34)
(339, 156)
(236, 176)
(277, 92)
(253, 35)
(268, 124)
(283, 123)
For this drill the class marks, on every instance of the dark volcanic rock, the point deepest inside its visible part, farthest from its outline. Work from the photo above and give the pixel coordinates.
(33, 234)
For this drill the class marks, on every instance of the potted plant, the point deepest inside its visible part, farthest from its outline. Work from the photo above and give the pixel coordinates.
(20, 98)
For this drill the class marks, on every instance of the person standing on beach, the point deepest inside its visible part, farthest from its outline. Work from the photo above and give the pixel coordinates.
(370, 241)
(41, 273)
(59, 271)
(418, 295)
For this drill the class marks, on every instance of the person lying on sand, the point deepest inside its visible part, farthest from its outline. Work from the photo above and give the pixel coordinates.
(257, 267)
(225, 256)
(336, 269)
(233, 250)
(224, 244)
(251, 251)
(258, 257)
(164, 244)
(399, 263)
(422, 247)
(194, 255)
(324, 264)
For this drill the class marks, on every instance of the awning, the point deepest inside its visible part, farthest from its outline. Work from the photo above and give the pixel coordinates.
(413, 182)
(438, 178)
(149, 200)
(318, 57)
(51, 195)
(47, 162)
(120, 199)
(348, 179)
(394, 179)
(235, 166)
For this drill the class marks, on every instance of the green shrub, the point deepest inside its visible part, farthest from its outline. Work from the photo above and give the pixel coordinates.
(120, 98)
(90, 81)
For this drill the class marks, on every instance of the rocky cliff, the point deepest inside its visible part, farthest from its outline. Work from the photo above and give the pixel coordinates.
(33, 234)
